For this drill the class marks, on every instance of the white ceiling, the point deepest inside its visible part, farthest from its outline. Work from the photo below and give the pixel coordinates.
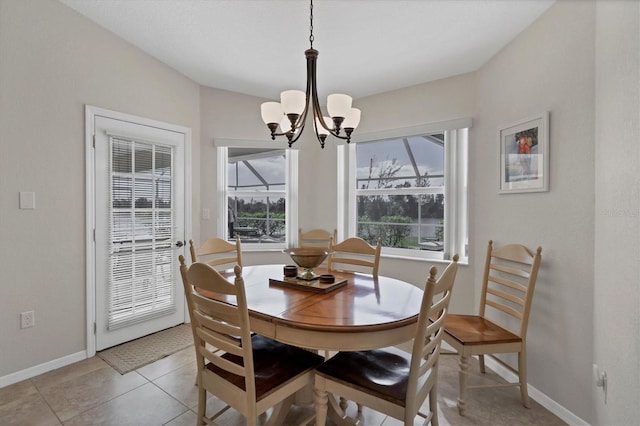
(365, 46)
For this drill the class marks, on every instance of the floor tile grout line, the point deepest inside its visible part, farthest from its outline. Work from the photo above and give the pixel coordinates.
(45, 401)
(105, 401)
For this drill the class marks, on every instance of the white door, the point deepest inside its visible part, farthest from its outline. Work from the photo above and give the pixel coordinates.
(139, 229)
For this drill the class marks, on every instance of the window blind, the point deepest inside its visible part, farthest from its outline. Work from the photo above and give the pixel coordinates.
(141, 233)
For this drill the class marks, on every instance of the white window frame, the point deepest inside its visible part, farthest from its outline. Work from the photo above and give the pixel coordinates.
(290, 193)
(455, 187)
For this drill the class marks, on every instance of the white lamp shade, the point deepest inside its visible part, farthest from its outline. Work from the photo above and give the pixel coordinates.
(271, 112)
(352, 119)
(338, 105)
(285, 124)
(293, 101)
(322, 130)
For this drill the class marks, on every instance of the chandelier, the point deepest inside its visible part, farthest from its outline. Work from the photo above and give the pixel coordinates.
(290, 114)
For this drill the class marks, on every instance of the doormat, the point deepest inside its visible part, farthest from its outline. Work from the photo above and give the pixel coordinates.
(145, 350)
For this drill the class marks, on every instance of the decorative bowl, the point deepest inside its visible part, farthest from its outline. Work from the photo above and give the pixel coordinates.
(307, 258)
(327, 278)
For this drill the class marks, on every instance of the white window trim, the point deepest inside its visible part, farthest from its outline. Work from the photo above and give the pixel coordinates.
(455, 239)
(291, 206)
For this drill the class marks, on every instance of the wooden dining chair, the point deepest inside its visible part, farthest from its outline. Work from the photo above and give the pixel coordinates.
(354, 253)
(217, 252)
(250, 373)
(390, 380)
(508, 282)
(317, 238)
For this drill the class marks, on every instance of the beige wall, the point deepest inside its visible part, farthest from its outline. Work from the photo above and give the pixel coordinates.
(617, 212)
(52, 62)
(549, 67)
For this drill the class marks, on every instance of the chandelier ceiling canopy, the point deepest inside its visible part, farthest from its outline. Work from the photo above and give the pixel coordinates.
(288, 117)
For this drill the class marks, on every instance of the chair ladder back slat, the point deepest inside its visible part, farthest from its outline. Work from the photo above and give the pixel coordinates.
(217, 309)
(506, 296)
(510, 270)
(219, 334)
(217, 360)
(221, 261)
(352, 261)
(427, 365)
(504, 308)
(509, 283)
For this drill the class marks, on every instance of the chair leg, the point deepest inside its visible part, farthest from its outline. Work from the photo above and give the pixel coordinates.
(463, 374)
(522, 374)
(433, 404)
(321, 400)
(202, 405)
(481, 362)
(280, 411)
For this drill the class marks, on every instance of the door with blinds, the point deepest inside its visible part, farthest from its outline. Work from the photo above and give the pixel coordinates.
(139, 229)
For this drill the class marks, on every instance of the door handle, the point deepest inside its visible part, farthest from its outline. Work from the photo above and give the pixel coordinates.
(180, 243)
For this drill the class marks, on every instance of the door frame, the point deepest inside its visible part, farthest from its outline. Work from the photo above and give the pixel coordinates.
(90, 208)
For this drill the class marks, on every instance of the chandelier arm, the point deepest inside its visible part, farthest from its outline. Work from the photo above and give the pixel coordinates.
(317, 111)
(311, 97)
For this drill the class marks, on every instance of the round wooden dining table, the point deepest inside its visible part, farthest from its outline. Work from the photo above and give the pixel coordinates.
(366, 313)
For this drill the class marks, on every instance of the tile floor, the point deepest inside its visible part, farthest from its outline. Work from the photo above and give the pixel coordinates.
(90, 392)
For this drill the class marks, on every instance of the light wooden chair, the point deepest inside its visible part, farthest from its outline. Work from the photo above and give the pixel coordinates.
(217, 252)
(508, 282)
(352, 252)
(248, 373)
(317, 238)
(390, 380)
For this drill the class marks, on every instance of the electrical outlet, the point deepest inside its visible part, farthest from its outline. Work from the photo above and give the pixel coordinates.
(27, 319)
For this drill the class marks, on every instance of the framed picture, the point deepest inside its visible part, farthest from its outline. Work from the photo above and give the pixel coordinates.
(524, 155)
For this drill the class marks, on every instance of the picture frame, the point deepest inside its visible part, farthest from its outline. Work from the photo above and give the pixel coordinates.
(524, 155)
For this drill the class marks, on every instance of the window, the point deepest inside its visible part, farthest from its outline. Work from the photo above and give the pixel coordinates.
(409, 191)
(255, 197)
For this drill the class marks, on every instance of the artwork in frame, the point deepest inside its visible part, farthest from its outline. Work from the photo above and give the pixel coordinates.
(524, 155)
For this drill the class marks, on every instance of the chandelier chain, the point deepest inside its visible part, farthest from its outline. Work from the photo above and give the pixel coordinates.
(311, 23)
(288, 117)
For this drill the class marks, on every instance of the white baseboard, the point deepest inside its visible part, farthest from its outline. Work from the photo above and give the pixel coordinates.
(30, 372)
(539, 397)
(542, 399)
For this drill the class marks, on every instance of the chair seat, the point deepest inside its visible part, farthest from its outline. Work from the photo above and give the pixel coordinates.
(275, 363)
(476, 330)
(383, 373)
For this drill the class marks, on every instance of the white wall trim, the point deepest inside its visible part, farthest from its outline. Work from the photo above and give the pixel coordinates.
(459, 123)
(36, 370)
(90, 113)
(535, 394)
